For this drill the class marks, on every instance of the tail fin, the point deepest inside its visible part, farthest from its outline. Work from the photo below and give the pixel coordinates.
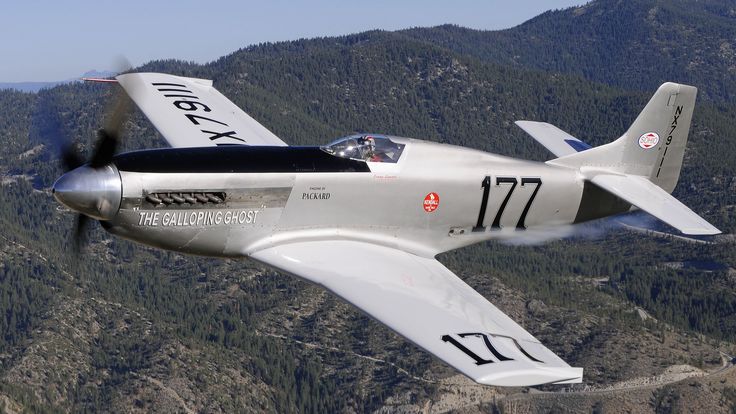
(643, 166)
(653, 146)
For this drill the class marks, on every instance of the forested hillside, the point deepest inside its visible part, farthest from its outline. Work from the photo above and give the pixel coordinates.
(635, 44)
(129, 328)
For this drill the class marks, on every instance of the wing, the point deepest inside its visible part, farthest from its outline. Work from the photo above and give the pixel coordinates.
(554, 139)
(189, 112)
(425, 302)
(646, 195)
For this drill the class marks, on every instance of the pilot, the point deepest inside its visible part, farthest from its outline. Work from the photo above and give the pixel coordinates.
(370, 153)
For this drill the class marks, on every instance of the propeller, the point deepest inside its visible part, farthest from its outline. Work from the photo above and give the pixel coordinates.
(81, 223)
(108, 138)
(70, 158)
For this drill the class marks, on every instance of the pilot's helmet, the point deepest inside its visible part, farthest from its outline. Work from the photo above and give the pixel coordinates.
(369, 141)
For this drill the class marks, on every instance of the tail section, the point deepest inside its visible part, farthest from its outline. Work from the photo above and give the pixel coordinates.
(642, 167)
(654, 145)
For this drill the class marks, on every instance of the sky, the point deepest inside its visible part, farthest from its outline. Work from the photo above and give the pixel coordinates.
(43, 40)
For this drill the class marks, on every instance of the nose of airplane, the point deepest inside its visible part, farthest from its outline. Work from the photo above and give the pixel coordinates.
(95, 192)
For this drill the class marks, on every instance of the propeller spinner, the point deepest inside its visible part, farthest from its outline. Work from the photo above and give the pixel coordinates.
(94, 189)
(94, 192)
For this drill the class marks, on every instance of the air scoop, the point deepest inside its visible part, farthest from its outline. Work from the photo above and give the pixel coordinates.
(95, 192)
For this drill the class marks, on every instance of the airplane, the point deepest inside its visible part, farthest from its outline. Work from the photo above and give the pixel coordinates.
(365, 215)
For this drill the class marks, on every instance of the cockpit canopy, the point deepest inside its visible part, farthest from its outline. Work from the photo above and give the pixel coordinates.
(364, 147)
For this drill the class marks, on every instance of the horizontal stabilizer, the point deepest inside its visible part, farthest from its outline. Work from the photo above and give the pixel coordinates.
(554, 139)
(646, 195)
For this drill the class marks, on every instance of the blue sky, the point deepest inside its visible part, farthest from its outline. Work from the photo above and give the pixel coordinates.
(56, 40)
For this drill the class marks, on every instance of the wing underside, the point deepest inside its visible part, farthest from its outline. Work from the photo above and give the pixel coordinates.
(426, 303)
(189, 112)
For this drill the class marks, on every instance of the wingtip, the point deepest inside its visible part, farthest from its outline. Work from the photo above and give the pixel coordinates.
(532, 377)
(702, 228)
(99, 80)
(700, 231)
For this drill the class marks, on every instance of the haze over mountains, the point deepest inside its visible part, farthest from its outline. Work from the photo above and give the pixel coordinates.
(37, 86)
(130, 328)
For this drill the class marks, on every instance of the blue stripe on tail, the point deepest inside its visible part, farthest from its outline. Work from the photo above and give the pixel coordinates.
(578, 146)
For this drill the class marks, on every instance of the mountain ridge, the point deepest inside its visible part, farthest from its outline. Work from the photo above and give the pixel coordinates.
(622, 43)
(34, 87)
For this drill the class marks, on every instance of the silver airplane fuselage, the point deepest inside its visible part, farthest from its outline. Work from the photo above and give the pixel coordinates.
(235, 201)
(365, 215)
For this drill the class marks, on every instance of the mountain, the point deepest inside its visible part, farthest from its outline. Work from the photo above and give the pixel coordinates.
(34, 87)
(127, 328)
(94, 73)
(634, 44)
(29, 86)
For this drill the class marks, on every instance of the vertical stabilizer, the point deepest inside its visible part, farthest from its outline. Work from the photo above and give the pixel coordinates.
(653, 146)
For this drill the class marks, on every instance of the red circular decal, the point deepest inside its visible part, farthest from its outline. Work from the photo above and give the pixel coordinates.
(648, 140)
(431, 202)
